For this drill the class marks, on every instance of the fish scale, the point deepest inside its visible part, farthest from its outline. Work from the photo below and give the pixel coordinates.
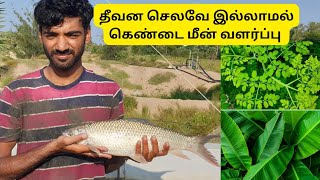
(121, 136)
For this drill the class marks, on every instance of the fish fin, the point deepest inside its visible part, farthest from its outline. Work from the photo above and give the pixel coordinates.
(179, 153)
(94, 149)
(201, 151)
(139, 158)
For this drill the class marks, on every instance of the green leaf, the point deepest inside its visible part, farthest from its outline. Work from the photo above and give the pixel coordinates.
(262, 86)
(230, 174)
(298, 171)
(265, 104)
(313, 163)
(278, 73)
(254, 74)
(244, 88)
(252, 89)
(223, 161)
(246, 123)
(271, 168)
(270, 72)
(263, 116)
(306, 135)
(270, 47)
(233, 145)
(270, 103)
(291, 118)
(269, 141)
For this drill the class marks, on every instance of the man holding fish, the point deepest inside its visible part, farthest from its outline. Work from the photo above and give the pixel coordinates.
(38, 107)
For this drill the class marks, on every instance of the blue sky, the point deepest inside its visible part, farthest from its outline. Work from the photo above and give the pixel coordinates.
(309, 9)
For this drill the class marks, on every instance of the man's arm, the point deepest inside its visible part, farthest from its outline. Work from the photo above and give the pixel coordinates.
(12, 167)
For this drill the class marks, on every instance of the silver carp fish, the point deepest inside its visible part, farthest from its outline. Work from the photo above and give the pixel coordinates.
(120, 138)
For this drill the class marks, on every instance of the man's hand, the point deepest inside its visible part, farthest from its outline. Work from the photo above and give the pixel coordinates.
(146, 153)
(69, 144)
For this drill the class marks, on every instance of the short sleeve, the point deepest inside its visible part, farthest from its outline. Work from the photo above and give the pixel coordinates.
(10, 123)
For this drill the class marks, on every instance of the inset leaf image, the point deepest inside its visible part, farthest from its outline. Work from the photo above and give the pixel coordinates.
(248, 126)
(279, 144)
(269, 141)
(306, 135)
(233, 144)
(271, 77)
(271, 168)
(291, 118)
(230, 174)
(297, 170)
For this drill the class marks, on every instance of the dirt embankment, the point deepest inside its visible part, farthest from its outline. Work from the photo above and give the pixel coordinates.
(140, 75)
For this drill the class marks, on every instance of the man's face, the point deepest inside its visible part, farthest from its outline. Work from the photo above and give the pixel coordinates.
(64, 44)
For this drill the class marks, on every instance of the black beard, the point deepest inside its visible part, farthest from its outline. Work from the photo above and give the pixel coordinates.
(68, 66)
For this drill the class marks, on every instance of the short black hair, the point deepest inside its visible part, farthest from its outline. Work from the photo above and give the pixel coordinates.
(52, 12)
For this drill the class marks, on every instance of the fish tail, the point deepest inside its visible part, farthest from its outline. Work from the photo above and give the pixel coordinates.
(201, 151)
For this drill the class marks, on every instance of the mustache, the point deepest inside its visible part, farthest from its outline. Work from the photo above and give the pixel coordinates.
(65, 52)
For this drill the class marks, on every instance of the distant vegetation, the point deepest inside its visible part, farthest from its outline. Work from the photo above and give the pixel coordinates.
(212, 93)
(187, 121)
(308, 32)
(123, 52)
(148, 57)
(130, 103)
(6, 71)
(24, 43)
(161, 78)
(121, 77)
(2, 37)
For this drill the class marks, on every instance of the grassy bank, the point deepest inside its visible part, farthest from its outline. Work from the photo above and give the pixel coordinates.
(187, 121)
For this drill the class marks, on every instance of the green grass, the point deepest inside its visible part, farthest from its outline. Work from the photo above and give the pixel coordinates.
(5, 80)
(211, 65)
(130, 103)
(121, 78)
(212, 93)
(187, 121)
(161, 78)
(6, 71)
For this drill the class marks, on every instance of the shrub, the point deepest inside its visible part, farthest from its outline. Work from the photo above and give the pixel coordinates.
(25, 41)
(130, 103)
(109, 52)
(184, 94)
(188, 121)
(161, 78)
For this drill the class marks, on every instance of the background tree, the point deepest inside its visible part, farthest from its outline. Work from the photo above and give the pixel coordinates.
(309, 32)
(2, 38)
(25, 41)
